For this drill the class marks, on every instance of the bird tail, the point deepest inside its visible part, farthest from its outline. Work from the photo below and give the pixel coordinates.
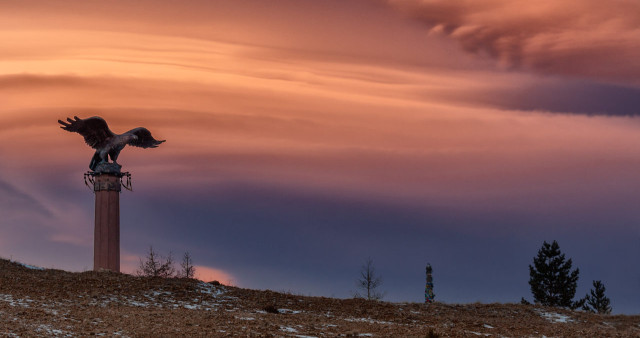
(94, 161)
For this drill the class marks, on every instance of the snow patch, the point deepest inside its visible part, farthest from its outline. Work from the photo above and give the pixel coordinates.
(30, 266)
(367, 320)
(209, 289)
(165, 299)
(555, 317)
(15, 302)
(137, 303)
(285, 311)
(288, 329)
(47, 329)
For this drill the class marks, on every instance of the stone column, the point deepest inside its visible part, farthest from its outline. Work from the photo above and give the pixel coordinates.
(106, 245)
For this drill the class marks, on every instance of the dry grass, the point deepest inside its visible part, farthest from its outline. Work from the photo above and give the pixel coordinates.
(59, 303)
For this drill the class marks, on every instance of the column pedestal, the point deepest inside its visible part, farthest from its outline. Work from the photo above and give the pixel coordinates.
(106, 245)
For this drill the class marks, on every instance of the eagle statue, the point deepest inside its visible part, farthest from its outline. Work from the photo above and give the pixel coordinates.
(107, 144)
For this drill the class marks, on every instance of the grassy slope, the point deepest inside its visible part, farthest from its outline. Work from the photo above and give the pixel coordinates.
(53, 302)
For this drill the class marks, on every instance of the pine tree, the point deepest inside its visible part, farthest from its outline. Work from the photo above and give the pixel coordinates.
(596, 301)
(551, 279)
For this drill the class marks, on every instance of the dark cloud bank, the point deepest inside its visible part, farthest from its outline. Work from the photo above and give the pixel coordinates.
(313, 244)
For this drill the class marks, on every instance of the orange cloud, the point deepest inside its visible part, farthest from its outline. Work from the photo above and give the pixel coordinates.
(130, 263)
(261, 111)
(585, 38)
(208, 274)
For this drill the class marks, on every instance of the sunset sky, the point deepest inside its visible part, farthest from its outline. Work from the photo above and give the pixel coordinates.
(304, 136)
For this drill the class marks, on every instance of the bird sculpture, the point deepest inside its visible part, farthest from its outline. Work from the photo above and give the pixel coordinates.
(107, 144)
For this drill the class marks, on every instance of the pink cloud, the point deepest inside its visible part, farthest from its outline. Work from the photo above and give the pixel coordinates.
(584, 38)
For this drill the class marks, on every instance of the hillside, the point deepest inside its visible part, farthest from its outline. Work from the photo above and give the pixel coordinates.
(45, 302)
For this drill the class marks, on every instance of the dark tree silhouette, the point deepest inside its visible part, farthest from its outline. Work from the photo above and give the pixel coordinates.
(369, 282)
(596, 301)
(551, 279)
(155, 265)
(187, 270)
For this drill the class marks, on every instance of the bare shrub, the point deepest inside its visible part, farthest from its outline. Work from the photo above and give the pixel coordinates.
(369, 282)
(156, 265)
(187, 269)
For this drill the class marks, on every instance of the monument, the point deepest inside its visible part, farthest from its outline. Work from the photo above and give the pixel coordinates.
(428, 290)
(107, 181)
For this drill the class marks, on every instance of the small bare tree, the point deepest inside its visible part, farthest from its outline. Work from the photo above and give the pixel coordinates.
(187, 268)
(155, 265)
(369, 282)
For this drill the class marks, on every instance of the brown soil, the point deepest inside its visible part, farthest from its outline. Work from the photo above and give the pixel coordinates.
(59, 303)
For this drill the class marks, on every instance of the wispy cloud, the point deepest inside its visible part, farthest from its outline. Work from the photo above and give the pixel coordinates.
(584, 38)
(13, 200)
(300, 132)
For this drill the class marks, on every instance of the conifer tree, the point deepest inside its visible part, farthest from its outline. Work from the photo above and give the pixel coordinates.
(596, 301)
(551, 279)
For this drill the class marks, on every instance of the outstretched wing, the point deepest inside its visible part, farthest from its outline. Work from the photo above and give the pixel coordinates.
(94, 130)
(144, 138)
